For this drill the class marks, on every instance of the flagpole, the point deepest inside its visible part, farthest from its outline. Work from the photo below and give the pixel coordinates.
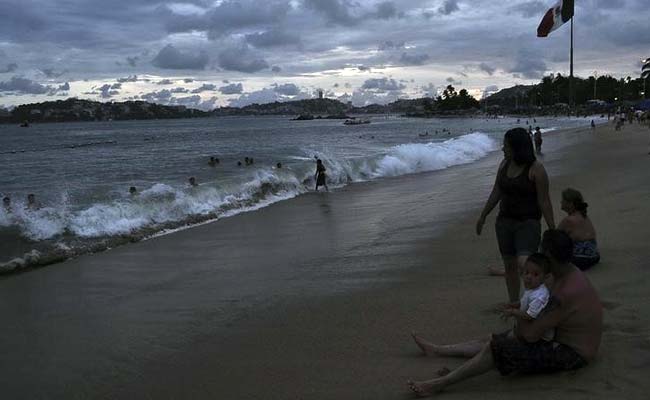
(571, 102)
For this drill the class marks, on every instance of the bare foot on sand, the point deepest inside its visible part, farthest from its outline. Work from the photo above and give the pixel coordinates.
(424, 388)
(428, 349)
(496, 271)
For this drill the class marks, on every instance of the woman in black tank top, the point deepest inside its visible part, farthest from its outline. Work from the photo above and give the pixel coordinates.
(521, 190)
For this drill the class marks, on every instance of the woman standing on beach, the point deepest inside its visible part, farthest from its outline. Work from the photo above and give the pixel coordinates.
(521, 188)
(579, 227)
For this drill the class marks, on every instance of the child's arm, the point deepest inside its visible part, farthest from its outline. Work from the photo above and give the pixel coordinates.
(517, 313)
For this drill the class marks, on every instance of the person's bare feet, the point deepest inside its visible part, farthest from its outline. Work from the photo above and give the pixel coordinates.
(424, 388)
(427, 348)
(496, 271)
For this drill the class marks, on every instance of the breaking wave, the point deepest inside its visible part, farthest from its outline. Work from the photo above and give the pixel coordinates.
(66, 230)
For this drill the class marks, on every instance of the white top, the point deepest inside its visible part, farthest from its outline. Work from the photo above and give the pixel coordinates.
(533, 302)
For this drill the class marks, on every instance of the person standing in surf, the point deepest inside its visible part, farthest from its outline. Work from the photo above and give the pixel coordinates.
(521, 190)
(538, 140)
(320, 175)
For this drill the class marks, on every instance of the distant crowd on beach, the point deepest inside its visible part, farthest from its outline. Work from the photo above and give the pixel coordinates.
(558, 318)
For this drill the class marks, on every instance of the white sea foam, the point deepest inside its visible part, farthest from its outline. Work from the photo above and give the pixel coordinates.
(162, 204)
(416, 157)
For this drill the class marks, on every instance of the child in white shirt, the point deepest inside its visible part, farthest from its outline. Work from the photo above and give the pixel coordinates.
(536, 294)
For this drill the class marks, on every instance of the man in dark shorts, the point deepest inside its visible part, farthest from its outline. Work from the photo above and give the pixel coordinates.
(575, 312)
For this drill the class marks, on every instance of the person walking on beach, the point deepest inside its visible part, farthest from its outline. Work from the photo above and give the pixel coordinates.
(320, 175)
(521, 190)
(538, 140)
(574, 311)
(580, 229)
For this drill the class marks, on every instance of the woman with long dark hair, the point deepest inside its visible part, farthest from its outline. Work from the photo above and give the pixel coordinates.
(580, 229)
(521, 189)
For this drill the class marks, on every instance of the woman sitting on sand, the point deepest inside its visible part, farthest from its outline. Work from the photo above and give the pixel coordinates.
(574, 311)
(579, 227)
(521, 189)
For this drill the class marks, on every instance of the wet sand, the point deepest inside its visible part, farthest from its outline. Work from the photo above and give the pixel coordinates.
(316, 297)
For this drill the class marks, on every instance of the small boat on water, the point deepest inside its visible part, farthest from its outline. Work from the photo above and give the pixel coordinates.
(355, 121)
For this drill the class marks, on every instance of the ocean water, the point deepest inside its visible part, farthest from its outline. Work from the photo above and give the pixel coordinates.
(80, 173)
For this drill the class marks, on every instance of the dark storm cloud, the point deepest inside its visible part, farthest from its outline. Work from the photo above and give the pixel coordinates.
(233, 88)
(413, 59)
(51, 73)
(167, 97)
(23, 85)
(132, 61)
(228, 16)
(531, 9)
(276, 69)
(107, 91)
(389, 45)
(130, 78)
(335, 11)
(206, 87)
(386, 10)
(169, 57)
(242, 59)
(351, 13)
(59, 90)
(448, 7)
(487, 68)
(287, 89)
(609, 4)
(9, 68)
(382, 85)
(529, 65)
(272, 38)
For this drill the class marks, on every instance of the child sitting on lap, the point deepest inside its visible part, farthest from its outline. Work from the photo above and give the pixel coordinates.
(536, 294)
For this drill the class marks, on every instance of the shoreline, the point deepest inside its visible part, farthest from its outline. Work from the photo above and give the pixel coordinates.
(182, 315)
(32, 255)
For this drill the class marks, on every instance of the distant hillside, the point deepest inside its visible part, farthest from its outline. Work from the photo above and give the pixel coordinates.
(85, 110)
(296, 107)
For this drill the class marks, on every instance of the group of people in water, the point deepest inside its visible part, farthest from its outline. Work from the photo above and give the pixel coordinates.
(31, 204)
(558, 319)
(213, 162)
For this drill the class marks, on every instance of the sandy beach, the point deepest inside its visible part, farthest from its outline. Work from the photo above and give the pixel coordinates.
(315, 298)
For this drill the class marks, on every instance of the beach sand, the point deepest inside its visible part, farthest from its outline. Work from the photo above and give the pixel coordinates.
(315, 298)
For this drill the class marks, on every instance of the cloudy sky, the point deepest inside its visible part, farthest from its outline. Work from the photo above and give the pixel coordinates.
(207, 53)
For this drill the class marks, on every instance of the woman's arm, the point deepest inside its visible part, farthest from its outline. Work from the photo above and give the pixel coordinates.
(543, 198)
(491, 202)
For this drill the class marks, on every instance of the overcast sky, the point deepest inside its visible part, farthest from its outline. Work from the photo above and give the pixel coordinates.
(207, 53)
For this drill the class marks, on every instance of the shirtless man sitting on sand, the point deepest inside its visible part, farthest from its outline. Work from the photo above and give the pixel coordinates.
(574, 311)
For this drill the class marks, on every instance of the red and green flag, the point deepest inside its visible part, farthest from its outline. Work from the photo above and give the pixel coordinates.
(555, 17)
